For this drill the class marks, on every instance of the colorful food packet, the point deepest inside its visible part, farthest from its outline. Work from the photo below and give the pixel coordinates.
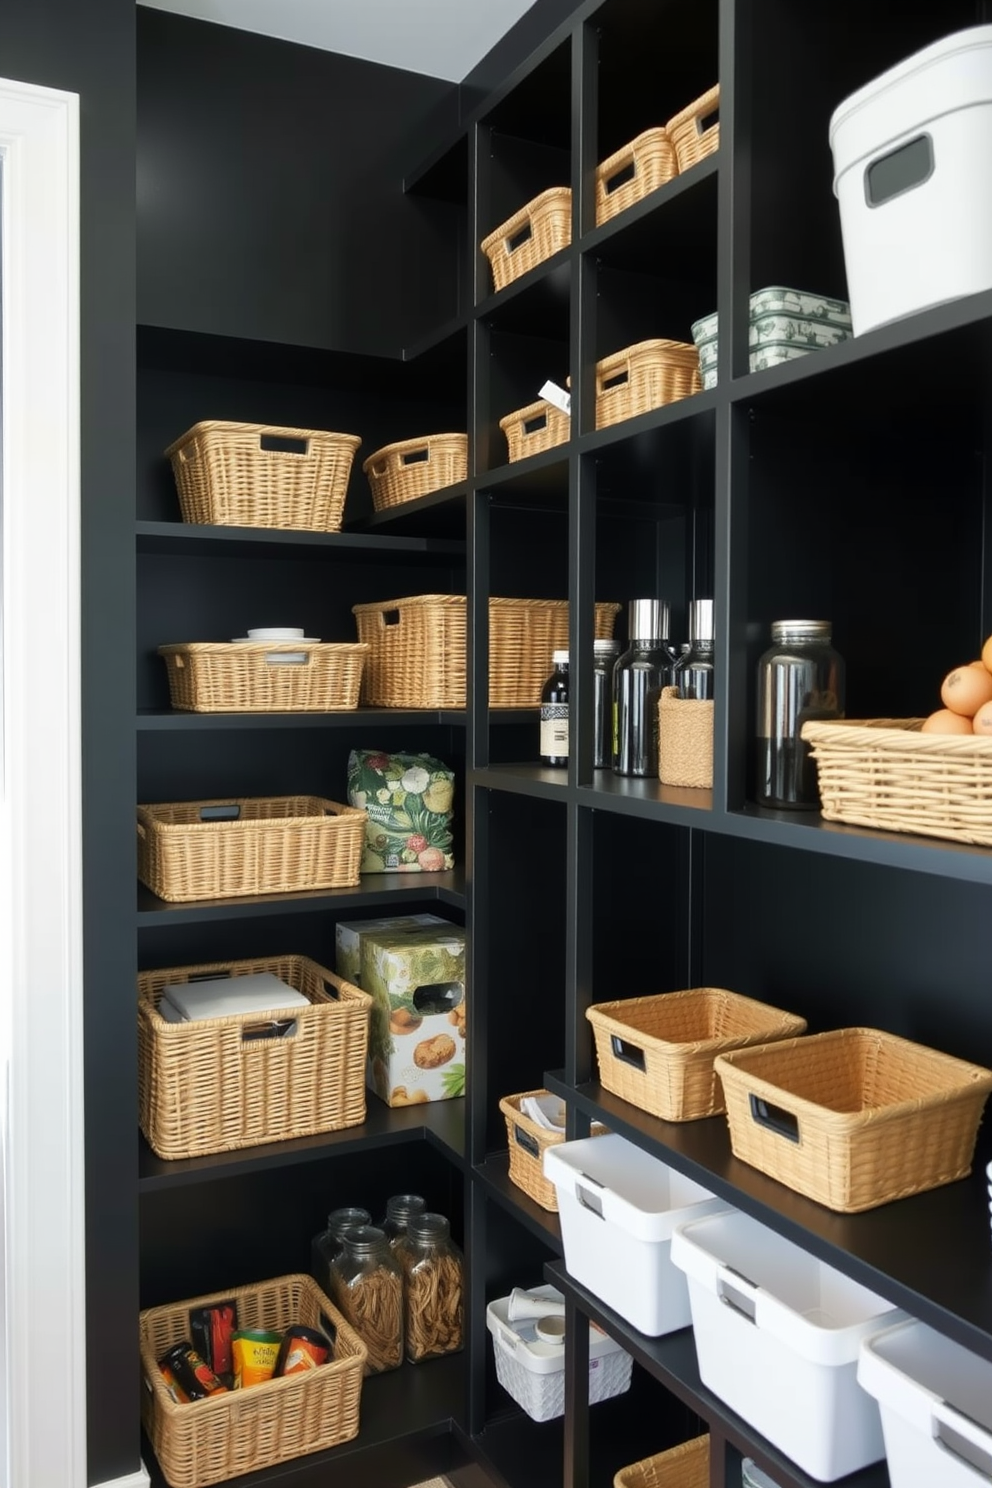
(255, 1352)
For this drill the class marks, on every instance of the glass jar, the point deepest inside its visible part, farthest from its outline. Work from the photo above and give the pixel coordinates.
(800, 677)
(554, 713)
(434, 1288)
(604, 656)
(400, 1208)
(638, 677)
(367, 1285)
(325, 1246)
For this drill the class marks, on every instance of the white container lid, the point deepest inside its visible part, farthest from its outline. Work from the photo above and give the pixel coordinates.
(929, 1380)
(521, 1337)
(226, 997)
(626, 1186)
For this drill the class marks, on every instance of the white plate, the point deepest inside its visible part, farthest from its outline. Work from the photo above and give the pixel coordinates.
(296, 641)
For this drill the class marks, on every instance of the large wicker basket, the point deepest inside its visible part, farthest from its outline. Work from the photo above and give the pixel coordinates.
(208, 1441)
(531, 430)
(884, 773)
(647, 375)
(853, 1118)
(256, 845)
(217, 1084)
(528, 1141)
(684, 1466)
(657, 1052)
(267, 677)
(695, 132)
(262, 475)
(633, 171)
(418, 649)
(537, 231)
(415, 467)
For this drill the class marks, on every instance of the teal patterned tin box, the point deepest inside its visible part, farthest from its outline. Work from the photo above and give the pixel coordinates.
(784, 323)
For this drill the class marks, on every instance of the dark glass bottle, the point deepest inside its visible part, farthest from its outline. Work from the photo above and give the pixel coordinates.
(693, 673)
(604, 656)
(638, 677)
(800, 677)
(554, 714)
(327, 1245)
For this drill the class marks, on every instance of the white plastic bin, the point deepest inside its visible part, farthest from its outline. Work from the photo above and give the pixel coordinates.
(912, 161)
(777, 1338)
(936, 1405)
(533, 1371)
(618, 1207)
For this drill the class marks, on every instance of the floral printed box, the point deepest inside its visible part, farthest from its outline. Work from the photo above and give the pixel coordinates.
(409, 800)
(416, 980)
(348, 936)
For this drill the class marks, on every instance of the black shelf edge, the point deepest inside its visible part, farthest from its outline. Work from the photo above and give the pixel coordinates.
(155, 719)
(695, 406)
(526, 780)
(442, 1123)
(898, 1250)
(647, 797)
(449, 501)
(522, 471)
(203, 540)
(494, 1176)
(402, 1413)
(655, 201)
(671, 1359)
(498, 299)
(375, 889)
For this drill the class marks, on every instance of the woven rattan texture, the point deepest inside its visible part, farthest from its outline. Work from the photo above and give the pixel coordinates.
(528, 1142)
(227, 478)
(647, 375)
(692, 141)
(873, 1117)
(538, 230)
(685, 740)
(204, 1087)
(885, 773)
(684, 1466)
(243, 1431)
(679, 1034)
(647, 162)
(418, 649)
(539, 426)
(415, 467)
(279, 844)
(224, 678)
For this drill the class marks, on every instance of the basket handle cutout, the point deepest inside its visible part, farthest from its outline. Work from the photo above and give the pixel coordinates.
(274, 1028)
(620, 177)
(207, 976)
(900, 170)
(518, 239)
(220, 813)
(279, 444)
(417, 457)
(329, 1330)
(961, 1437)
(390, 617)
(536, 424)
(287, 658)
(589, 1200)
(627, 1053)
(617, 380)
(737, 1294)
(784, 1123)
(331, 990)
(526, 1141)
(707, 121)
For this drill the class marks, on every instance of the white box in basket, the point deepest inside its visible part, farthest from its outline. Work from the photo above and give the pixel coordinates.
(936, 1404)
(533, 1372)
(777, 1337)
(618, 1207)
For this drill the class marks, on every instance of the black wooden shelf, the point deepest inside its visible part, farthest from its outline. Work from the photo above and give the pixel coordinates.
(526, 304)
(672, 1361)
(157, 719)
(442, 1123)
(901, 1250)
(683, 210)
(494, 1176)
(375, 890)
(193, 539)
(437, 518)
(544, 474)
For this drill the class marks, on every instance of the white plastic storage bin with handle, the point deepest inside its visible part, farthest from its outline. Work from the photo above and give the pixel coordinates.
(912, 157)
(936, 1405)
(777, 1338)
(618, 1207)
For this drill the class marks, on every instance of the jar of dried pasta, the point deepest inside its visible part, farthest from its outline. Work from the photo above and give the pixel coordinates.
(367, 1285)
(433, 1300)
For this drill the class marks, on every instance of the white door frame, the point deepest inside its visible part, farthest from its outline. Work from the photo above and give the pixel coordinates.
(41, 935)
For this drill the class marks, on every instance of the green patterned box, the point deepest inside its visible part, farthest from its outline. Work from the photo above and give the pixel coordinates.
(348, 935)
(416, 980)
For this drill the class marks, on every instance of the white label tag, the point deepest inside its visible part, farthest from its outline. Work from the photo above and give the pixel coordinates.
(552, 393)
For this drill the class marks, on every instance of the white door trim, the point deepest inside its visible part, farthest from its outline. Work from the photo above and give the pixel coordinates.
(41, 963)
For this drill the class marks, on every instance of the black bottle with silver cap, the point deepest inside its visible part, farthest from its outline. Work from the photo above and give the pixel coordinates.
(694, 673)
(638, 677)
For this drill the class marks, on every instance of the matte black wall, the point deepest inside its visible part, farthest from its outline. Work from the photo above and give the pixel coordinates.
(89, 49)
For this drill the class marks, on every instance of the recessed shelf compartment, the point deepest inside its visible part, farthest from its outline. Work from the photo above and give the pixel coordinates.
(377, 891)
(493, 1175)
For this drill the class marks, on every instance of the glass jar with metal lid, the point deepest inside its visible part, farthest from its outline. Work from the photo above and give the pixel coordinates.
(434, 1296)
(800, 677)
(367, 1285)
(325, 1246)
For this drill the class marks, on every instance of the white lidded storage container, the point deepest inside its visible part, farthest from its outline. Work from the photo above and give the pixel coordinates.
(912, 156)
(777, 1338)
(533, 1371)
(618, 1207)
(936, 1404)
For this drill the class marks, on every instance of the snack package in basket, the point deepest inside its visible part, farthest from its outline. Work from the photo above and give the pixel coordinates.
(409, 799)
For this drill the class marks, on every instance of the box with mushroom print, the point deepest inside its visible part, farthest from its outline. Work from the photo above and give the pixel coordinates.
(417, 1030)
(408, 798)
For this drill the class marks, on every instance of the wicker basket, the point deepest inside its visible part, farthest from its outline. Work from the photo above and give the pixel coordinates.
(657, 1052)
(260, 845)
(418, 649)
(855, 1117)
(270, 677)
(262, 475)
(635, 170)
(539, 426)
(530, 236)
(884, 773)
(208, 1441)
(414, 467)
(684, 1466)
(644, 376)
(214, 1085)
(528, 1142)
(695, 132)
(685, 740)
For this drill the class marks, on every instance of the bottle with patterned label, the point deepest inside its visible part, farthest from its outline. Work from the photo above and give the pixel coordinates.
(554, 714)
